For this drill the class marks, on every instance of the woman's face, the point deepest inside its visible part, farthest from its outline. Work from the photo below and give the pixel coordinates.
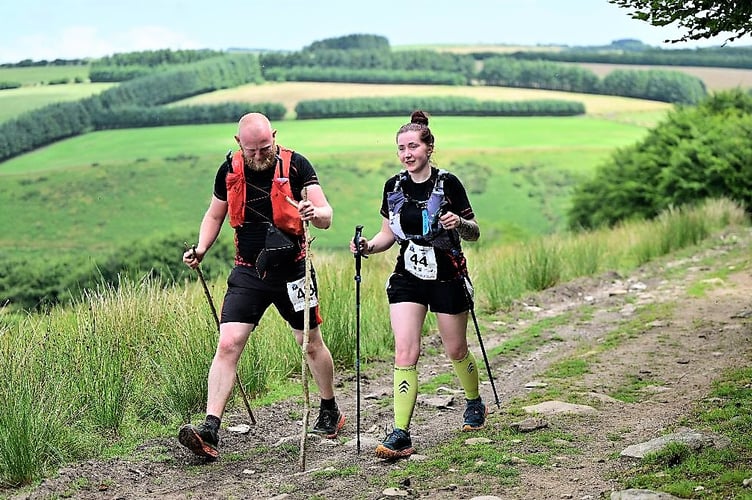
(412, 152)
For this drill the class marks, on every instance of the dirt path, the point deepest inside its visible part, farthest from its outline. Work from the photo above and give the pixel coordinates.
(681, 351)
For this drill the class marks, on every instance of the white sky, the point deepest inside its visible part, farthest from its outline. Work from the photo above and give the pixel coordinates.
(44, 29)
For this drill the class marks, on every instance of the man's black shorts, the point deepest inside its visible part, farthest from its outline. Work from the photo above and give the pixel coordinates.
(248, 296)
(448, 297)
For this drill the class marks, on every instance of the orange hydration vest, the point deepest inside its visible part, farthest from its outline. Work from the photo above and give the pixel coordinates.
(284, 215)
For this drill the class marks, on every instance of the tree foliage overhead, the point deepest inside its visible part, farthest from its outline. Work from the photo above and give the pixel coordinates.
(700, 18)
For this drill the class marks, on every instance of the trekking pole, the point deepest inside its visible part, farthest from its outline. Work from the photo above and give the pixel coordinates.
(306, 334)
(465, 281)
(454, 237)
(216, 321)
(358, 255)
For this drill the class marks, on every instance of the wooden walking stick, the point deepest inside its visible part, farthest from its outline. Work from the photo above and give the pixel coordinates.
(216, 321)
(306, 333)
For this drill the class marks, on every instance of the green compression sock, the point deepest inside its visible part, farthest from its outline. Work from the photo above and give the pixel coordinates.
(405, 394)
(467, 372)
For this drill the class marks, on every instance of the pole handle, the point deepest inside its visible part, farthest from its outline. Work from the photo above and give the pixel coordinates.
(356, 242)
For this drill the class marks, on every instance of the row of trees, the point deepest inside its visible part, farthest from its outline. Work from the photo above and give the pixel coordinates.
(447, 106)
(358, 59)
(347, 75)
(660, 85)
(728, 57)
(130, 65)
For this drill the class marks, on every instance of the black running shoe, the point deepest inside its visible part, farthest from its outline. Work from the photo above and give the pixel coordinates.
(396, 445)
(202, 440)
(475, 415)
(329, 423)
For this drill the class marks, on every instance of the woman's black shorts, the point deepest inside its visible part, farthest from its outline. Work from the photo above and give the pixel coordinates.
(450, 297)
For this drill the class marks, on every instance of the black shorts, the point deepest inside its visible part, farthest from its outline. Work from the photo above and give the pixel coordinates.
(248, 297)
(449, 297)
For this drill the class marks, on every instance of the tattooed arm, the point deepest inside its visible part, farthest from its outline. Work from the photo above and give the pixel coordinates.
(468, 229)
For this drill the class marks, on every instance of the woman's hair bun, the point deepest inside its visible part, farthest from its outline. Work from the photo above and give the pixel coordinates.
(419, 117)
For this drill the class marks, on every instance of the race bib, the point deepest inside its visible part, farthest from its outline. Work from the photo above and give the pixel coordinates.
(296, 292)
(421, 261)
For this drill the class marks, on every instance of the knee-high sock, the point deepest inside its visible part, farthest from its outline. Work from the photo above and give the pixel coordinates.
(467, 372)
(405, 394)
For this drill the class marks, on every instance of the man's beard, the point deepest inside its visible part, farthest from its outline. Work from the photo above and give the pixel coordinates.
(260, 166)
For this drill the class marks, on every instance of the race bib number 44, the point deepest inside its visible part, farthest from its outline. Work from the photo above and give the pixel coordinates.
(421, 261)
(296, 292)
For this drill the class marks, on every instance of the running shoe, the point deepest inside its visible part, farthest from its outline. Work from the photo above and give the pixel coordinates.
(396, 445)
(202, 440)
(329, 423)
(475, 415)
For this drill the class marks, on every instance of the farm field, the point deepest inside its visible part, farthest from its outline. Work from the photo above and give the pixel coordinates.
(290, 93)
(40, 75)
(714, 78)
(13, 102)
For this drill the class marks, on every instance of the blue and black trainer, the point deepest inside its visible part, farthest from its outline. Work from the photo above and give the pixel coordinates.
(475, 415)
(396, 445)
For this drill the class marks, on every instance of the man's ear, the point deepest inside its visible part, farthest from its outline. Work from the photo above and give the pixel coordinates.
(237, 139)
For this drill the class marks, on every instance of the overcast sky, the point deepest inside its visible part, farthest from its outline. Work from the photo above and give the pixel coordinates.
(44, 29)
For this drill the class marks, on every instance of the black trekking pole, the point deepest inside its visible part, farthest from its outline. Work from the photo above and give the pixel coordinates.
(216, 321)
(358, 255)
(465, 281)
(454, 237)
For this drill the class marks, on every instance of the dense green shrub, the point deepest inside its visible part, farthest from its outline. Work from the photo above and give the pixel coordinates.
(33, 284)
(9, 85)
(696, 153)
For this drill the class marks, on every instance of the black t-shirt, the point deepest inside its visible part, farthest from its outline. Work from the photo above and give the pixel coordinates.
(250, 237)
(411, 216)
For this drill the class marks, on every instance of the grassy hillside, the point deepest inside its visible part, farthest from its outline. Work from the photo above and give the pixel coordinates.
(89, 193)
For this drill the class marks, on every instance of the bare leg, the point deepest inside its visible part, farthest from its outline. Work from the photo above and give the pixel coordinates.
(319, 361)
(407, 321)
(453, 331)
(232, 340)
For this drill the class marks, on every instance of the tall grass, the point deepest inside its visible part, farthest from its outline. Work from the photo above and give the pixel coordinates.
(81, 377)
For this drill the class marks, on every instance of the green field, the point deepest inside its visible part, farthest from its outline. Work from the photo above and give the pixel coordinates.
(90, 193)
(41, 75)
(13, 102)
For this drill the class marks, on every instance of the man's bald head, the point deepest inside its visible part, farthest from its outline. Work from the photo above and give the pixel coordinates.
(256, 140)
(255, 124)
